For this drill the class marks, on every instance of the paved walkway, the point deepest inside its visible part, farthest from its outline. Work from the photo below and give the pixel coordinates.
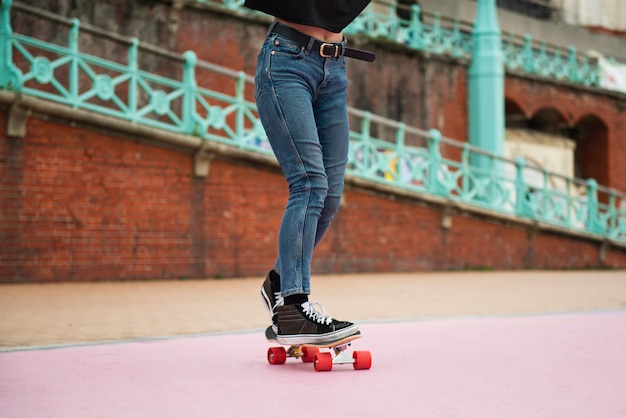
(515, 344)
(50, 314)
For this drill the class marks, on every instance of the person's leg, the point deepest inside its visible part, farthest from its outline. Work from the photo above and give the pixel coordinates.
(289, 81)
(329, 106)
(331, 114)
(332, 122)
(286, 87)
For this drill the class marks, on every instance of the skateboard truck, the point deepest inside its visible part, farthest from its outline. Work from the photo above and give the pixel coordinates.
(342, 356)
(322, 361)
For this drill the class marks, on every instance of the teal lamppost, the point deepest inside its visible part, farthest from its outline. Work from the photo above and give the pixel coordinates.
(486, 86)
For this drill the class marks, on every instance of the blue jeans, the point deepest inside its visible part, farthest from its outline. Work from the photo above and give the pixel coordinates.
(302, 103)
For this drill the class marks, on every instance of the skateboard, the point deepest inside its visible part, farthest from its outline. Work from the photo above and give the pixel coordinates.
(310, 353)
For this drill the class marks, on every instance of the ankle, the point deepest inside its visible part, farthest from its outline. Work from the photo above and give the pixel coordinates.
(297, 299)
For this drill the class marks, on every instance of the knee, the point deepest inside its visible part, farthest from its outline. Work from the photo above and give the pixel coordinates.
(331, 206)
(315, 188)
(332, 201)
(318, 187)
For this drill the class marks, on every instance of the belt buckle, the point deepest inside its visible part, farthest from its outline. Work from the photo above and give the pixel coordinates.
(323, 54)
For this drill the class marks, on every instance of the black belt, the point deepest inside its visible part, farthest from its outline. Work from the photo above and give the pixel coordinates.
(325, 49)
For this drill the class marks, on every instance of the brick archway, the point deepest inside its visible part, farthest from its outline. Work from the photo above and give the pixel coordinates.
(515, 116)
(550, 120)
(592, 149)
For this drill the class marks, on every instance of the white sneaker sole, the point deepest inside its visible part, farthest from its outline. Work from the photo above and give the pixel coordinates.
(298, 339)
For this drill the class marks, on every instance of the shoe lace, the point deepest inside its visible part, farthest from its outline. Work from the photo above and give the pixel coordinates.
(316, 312)
(280, 301)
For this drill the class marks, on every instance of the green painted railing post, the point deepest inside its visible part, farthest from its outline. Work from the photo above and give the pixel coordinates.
(366, 123)
(613, 214)
(486, 86)
(592, 223)
(493, 194)
(528, 55)
(437, 35)
(400, 151)
(569, 201)
(572, 65)
(542, 57)
(434, 148)
(240, 88)
(6, 56)
(416, 29)
(75, 53)
(132, 81)
(594, 78)
(522, 208)
(457, 50)
(189, 85)
(400, 135)
(466, 156)
(394, 22)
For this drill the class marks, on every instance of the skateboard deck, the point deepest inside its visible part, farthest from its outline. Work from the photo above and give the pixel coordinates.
(310, 352)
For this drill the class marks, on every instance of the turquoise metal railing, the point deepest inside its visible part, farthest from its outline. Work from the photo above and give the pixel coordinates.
(182, 100)
(64, 74)
(431, 33)
(442, 167)
(441, 35)
(550, 61)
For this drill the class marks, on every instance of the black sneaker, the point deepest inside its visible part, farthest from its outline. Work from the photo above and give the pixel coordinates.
(270, 295)
(304, 324)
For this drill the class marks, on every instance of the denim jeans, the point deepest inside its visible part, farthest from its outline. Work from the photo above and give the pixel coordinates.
(302, 103)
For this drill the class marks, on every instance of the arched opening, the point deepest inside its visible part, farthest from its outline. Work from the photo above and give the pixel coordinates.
(592, 149)
(514, 115)
(550, 121)
(545, 138)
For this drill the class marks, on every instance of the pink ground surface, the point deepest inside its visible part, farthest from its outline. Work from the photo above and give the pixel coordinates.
(537, 366)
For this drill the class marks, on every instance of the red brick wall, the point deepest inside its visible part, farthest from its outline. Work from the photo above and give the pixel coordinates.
(85, 205)
(82, 204)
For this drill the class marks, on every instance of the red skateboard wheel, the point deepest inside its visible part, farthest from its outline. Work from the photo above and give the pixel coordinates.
(276, 355)
(323, 362)
(362, 360)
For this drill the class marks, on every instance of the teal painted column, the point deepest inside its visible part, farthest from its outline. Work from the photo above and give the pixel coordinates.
(6, 60)
(486, 86)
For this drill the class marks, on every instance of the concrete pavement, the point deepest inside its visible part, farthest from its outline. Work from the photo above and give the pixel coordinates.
(34, 315)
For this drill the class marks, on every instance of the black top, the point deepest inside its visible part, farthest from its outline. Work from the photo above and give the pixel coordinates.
(332, 15)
